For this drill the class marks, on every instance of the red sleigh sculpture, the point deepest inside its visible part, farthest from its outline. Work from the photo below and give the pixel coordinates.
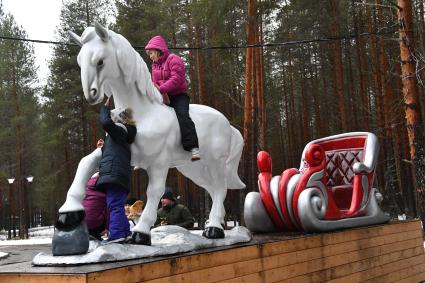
(331, 190)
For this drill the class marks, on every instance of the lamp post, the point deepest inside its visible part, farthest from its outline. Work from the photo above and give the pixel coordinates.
(27, 214)
(11, 209)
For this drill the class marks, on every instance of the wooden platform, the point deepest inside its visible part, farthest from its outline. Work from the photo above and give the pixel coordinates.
(386, 253)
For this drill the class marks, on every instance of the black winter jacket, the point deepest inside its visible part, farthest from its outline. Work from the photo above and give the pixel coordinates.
(115, 165)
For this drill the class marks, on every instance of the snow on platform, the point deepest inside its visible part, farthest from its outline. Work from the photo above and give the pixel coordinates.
(166, 240)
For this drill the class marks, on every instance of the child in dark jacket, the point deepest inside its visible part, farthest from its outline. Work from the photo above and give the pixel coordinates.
(115, 170)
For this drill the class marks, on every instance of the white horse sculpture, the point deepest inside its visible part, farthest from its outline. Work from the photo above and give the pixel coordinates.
(109, 65)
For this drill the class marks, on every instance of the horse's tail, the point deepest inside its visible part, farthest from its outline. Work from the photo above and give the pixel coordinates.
(232, 162)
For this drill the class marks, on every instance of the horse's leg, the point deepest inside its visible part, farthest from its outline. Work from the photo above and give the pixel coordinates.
(218, 192)
(86, 168)
(71, 235)
(156, 187)
(212, 178)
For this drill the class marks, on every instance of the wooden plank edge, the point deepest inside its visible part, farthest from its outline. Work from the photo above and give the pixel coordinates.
(349, 268)
(401, 274)
(356, 234)
(43, 278)
(380, 270)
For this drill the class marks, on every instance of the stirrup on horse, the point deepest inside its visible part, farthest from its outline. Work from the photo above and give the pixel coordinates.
(195, 154)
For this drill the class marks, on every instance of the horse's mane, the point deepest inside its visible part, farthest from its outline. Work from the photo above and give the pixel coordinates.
(132, 66)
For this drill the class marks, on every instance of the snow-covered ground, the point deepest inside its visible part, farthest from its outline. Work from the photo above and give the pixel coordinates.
(37, 236)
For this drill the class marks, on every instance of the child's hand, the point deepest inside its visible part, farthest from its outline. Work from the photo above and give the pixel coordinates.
(108, 102)
(165, 98)
(99, 143)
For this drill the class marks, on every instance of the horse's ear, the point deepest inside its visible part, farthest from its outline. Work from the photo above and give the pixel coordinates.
(75, 38)
(101, 32)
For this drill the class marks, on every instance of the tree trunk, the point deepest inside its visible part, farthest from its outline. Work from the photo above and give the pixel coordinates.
(291, 111)
(214, 101)
(402, 147)
(316, 101)
(304, 104)
(249, 70)
(18, 152)
(421, 46)
(338, 67)
(411, 100)
(200, 73)
(351, 92)
(259, 70)
(85, 143)
(390, 173)
(192, 57)
(362, 70)
(377, 90)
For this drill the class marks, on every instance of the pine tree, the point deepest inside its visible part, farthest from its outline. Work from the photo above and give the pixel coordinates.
(19, 112)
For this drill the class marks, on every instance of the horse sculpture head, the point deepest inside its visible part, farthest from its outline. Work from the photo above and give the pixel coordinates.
(96, 60)
(108, 60)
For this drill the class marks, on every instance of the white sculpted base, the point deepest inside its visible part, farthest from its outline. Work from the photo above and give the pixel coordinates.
(166, 240)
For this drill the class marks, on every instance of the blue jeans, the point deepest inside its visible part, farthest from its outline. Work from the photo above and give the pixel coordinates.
(118, 222)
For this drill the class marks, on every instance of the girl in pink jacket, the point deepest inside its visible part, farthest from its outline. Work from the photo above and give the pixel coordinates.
(169, 76)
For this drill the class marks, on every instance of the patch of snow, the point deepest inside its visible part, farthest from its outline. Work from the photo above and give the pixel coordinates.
(3, 255)
(36, 241)
(37, 236)
(166, 240)
(401, 216)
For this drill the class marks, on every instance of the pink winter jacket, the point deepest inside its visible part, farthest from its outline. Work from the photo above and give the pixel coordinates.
(169, 71)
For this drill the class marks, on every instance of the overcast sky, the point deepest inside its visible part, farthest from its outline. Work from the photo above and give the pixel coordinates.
(39, 19)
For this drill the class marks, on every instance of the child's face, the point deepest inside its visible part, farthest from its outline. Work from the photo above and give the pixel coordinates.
(153, 54)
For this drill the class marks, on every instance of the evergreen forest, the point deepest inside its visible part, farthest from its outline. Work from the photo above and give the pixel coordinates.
(283, 72)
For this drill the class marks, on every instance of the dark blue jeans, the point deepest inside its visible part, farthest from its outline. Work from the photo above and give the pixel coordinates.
(118, 222)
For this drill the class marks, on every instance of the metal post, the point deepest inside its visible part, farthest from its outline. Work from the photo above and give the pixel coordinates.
(9, 227)
(24, 224)
(12, 206)
(21, 212)
(27, 212)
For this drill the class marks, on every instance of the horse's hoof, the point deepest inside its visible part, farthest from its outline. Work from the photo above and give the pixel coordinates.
(71, 242)
(213, 233)
(139, 238)
(68, 221)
